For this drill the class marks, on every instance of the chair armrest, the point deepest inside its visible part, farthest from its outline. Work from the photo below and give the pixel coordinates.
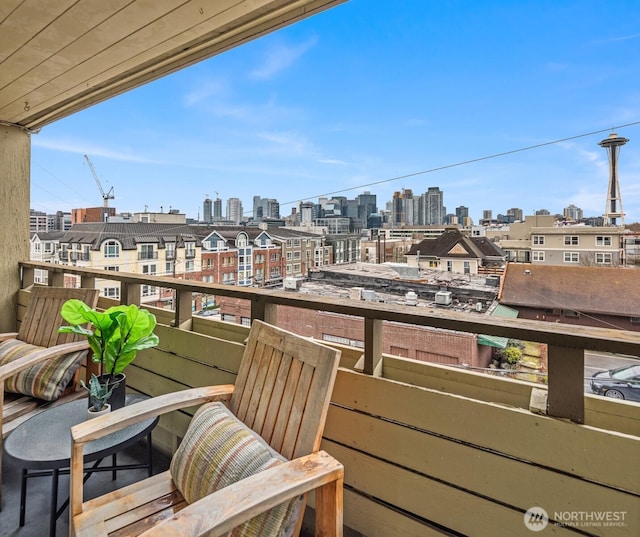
(227, 508)
(8, 335)
(123, 417)
(10, 369)
(149, 408)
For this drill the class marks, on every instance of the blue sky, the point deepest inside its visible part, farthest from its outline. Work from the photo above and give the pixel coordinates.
(366, 92)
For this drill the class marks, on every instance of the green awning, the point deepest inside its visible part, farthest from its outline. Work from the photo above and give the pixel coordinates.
(505, 311)
(493, 341)
(497, 341)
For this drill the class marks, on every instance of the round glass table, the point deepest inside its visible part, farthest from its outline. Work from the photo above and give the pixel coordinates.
(41, 446)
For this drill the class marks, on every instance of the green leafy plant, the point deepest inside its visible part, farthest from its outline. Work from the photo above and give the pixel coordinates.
(512, 355)
(98, 393)
(115, 335)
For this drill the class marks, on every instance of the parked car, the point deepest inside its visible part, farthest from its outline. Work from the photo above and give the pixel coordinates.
(619, 383)
(208, 313)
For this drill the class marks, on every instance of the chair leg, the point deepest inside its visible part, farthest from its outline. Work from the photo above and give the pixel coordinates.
(329, 510)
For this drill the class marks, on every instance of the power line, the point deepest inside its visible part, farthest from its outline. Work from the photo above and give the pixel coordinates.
(465, 162)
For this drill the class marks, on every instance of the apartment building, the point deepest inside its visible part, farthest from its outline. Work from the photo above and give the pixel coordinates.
(540, 241)
(44, 246)
(246, 256)
(578, 245)
(141, 248)
(301, 251)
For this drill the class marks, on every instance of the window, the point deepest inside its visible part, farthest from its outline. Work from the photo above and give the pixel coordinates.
(289, 256)
(148, 290)
(146, 251)
(449, 266)
(467, 267)
(603, 258)
(170, 250)
(150, 270)
(111, 249)
(111, 292)
(571, 240)
(571, 257)
(297, 268)
(168, 268)
(189, 266)
(537, 255)
(603, 241)
(289, 269)
(113, 268)
(538, 239)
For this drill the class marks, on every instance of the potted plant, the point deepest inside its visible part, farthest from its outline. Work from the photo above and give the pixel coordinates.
(99, 394)
(115, 337)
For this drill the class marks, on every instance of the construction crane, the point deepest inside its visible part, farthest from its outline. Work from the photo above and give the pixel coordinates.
(105, 197)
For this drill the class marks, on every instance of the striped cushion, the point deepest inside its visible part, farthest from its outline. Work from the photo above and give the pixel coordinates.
(218, 450)
(46, 380)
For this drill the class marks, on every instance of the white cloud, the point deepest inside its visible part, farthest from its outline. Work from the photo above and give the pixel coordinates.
(84, 148)
(206, 90)
(279, 58)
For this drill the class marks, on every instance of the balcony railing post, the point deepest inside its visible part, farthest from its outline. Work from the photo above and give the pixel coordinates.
(130, 293)
(372, 346)
(88, 282)
(28, 277)
(566, 383)
(183, 310)
(56, 278)
(263, 310)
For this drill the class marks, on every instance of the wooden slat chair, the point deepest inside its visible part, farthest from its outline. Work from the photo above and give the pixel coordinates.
(39, 327)
(282, 393)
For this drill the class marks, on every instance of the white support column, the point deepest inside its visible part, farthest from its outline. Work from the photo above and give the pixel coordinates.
(15, 176)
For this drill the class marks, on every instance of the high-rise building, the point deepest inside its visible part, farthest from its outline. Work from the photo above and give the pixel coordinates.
(217, 209)
(573, 213)
(367, 206)
(307, 210)
(402, 207)
(462, 212)
(435, 209)
(514, 215)
(207, 211)
(264, 208)
(234, 210)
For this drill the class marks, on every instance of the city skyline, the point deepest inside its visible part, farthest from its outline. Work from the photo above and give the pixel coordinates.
(350, 99)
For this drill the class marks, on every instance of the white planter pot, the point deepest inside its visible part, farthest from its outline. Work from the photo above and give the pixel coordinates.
(91, 413)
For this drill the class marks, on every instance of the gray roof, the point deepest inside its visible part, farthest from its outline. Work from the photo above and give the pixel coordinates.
(452, 243)
(130, 234)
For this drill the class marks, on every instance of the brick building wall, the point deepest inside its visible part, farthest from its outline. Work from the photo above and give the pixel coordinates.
(419, 343)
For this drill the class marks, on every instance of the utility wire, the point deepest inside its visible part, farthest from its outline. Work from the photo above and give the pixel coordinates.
(464, 162)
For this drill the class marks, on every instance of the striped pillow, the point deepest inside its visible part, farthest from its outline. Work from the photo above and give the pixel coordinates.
(218, 450)
(46, 380)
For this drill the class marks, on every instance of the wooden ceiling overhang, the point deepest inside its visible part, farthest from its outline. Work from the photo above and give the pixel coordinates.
(61, 56)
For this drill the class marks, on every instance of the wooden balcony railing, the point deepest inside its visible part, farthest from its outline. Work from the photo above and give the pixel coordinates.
(427, 449)
(566, 343)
